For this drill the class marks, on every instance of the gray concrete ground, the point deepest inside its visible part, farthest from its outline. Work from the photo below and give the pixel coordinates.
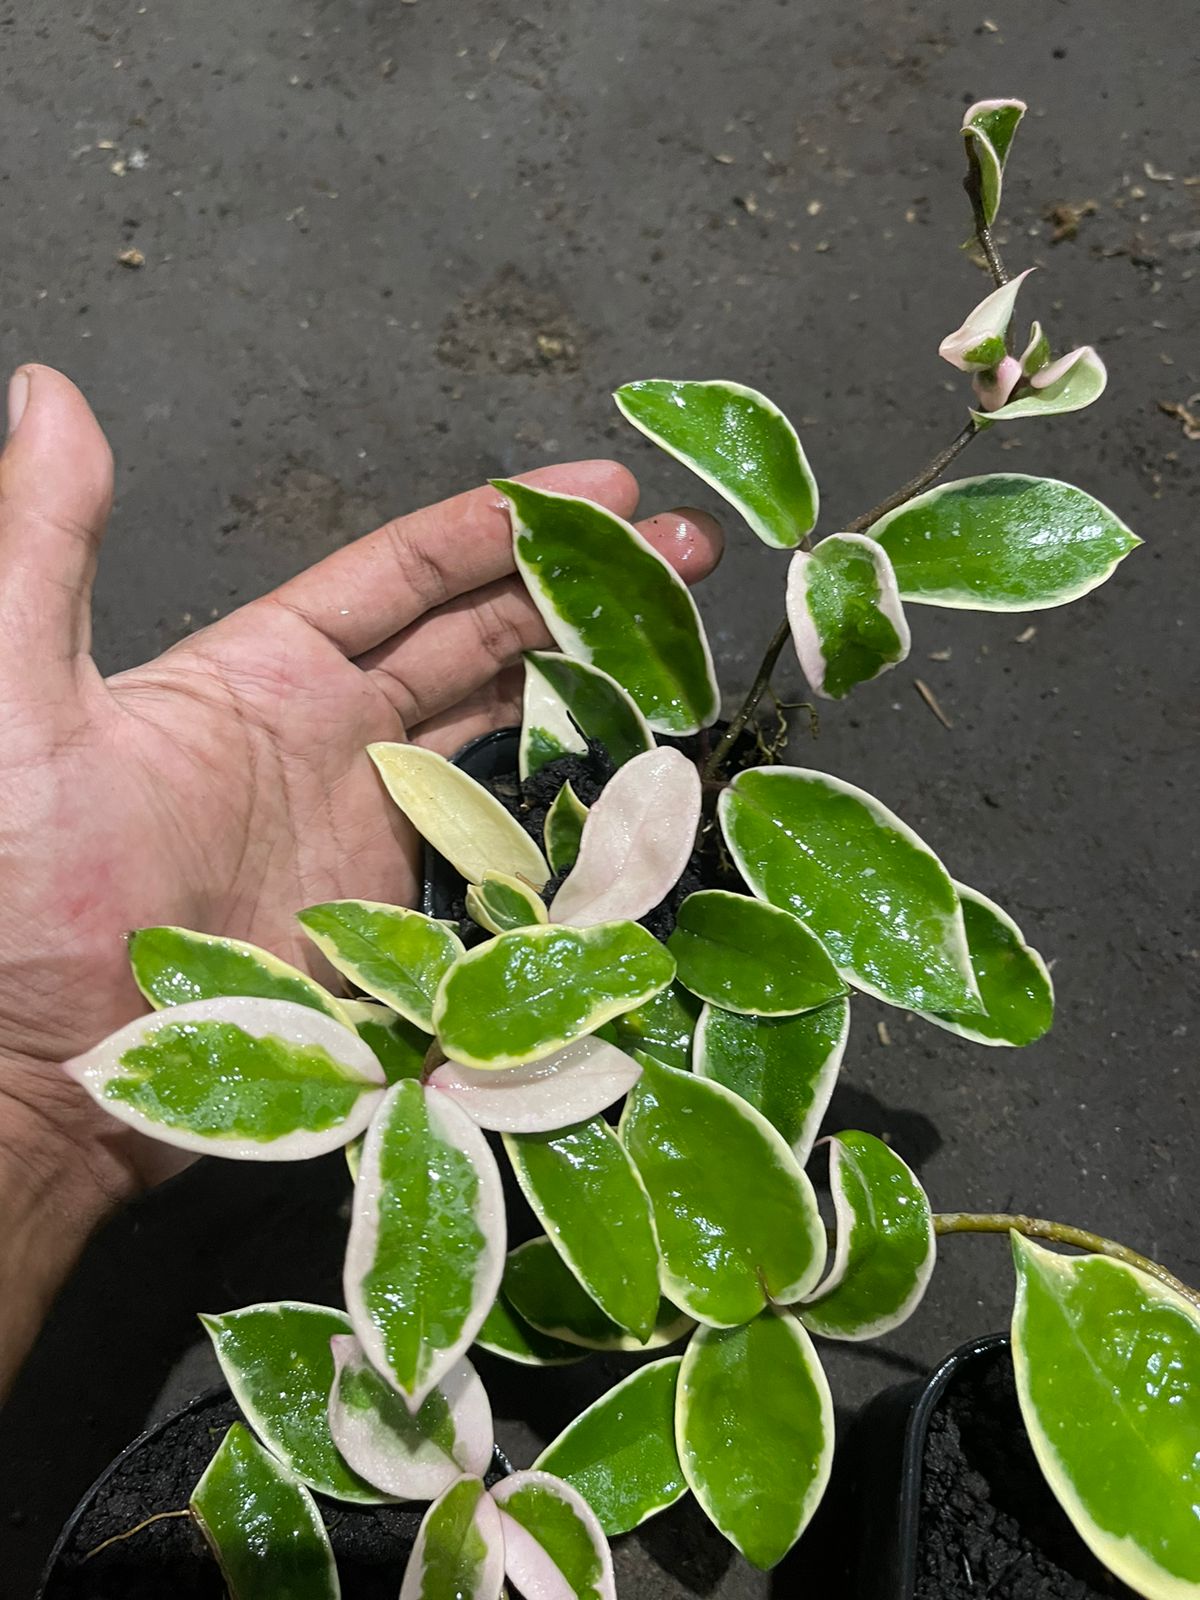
(391, 248)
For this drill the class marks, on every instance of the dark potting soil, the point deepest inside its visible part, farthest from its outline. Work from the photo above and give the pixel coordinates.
(989, 1524)
(169, 1557)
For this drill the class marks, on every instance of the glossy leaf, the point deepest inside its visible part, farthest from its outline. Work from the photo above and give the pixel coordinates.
(501, 903)
(399, 1045)
(636, 842)
(399, 956)
(847, 623)
(703, 1153)
(525, 995)
(1072, 382)
(262, 1525)
(620, 1453)
(411, 1455)
(738, 442)
(754, 1425)
(1004, 542)
(547, 732)
(459, 817)
(505, 1333)
(746, 955)
(574, 1083)
(661, 1028)
(1036, 353)
(1013, 979)
(554, 1548)
(885, 1250)
(1107, 1362)
(872, 891)
(563, 828)
(426, 1247)
(251, 1080)
(548, 1296)
(609, 599)
(785, 1067)
(587, 1195)
(988, 127)
(459, 1550)
(277, 1361)
(596, 704)
(980, 342)
(174, 966)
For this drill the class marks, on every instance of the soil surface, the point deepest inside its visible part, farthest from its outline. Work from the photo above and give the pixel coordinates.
(393, 249)
(989, 1525)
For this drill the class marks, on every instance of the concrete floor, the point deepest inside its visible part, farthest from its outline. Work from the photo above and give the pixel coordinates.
(392, 248)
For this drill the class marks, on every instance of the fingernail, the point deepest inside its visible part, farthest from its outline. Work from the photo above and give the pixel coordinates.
(18, 399)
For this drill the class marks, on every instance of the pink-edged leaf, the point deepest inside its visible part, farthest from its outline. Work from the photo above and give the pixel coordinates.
(554, 1546)
(236, 1076)
(459, 1550)
(993, 388)
(575, 1083)
(426, 1248)
(636, 841)
(979, 343)
(411, 1455)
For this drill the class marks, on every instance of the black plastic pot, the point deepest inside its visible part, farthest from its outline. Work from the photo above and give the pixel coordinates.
(490, 757)
(942, 1496)
(168, 1557)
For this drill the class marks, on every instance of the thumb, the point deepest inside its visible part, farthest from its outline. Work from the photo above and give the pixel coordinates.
(56, 483)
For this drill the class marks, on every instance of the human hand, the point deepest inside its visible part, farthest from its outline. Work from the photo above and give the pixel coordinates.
(224, 785)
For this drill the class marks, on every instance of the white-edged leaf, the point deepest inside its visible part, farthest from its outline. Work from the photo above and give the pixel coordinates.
(547, 732)
(979, 343)
(847, 622)
(392, 952)
(174, 966)
(251, 1080)
(459, 1550)
(426, 1249)
(458, 817)
(988, 127)
(575, 1083)
(410, 1455)
(554, 1547)
(1072, 382)
(638, 838)
(593, 703)
(563, 828)
(1013, 980)
(501, 903)
(547, 1296)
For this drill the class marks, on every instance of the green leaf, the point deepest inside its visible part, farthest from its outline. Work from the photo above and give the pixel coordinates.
(1107, 1363)
(620, 1453)
(785, 1067)
(426, 1247)
(661, 1028)
(1072, 382)
(262, 1525)
(702, 1153)
(277, 1361)
(548, 1296)
(1004, 542)
(506, 1333)
(885, 1249)
(587, 1195)
(1013, 980)
(738, 442)
(501, 903)
(609, 599)
(754, 1424)
(746, 955)
(251, 1080)
(399, 1045)
(529, 993)
(594, 703)
(547, 732)
(1036, 353)
(872, 891)
(459, 817)
(174, 966)
(988, 127)
(413, 1455)
(547, 1525)
(399, 956)
(847, 623)
(459, 1550)
(563, 828)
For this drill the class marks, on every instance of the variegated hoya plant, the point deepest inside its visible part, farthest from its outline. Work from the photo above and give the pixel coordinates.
(689, 1220)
